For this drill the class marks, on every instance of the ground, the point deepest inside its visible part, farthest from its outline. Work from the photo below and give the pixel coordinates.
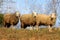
(25, 34)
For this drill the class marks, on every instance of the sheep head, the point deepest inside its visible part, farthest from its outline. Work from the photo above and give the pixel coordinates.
(53, 17)
(34, 14)
(17, 14)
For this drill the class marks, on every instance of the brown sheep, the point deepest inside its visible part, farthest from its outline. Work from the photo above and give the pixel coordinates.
(11, 19)
(43, 19)
(27, 20)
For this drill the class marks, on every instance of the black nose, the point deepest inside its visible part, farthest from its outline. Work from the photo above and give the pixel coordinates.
(34, 16)
(51, 18)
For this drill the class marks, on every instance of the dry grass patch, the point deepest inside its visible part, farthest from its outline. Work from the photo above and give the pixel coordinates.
(25, 34)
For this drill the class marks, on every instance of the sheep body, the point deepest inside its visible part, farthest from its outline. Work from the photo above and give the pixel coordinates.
(10, 19)
(43, 19)
(27, 20)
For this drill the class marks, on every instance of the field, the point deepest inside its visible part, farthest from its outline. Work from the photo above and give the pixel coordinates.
(24, 34)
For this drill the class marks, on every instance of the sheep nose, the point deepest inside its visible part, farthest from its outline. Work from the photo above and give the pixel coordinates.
(34, 16)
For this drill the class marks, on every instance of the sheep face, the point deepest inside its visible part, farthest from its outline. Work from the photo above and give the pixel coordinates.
(34, 14)
(17, 14)
(53, 17)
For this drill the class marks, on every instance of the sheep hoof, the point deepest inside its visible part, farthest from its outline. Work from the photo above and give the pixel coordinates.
(36, 28)
(31, 28)
(12, 27)
(50, 30)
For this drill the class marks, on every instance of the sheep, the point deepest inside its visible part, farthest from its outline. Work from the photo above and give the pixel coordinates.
(11, 19)
(27, 20)
(48, 20)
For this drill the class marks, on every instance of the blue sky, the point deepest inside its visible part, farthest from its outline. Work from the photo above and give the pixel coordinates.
(25, 6)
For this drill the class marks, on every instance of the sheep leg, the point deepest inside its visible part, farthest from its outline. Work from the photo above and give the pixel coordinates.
(5, 24)
(22, 25)
(11, 25)
(50, 28)
(31, 27)
(37, 26)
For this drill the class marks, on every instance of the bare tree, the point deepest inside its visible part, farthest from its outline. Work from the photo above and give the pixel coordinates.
(54, 2)
(56, 7)
(33, 6)
(37, 8)
(7, 6)
(52, 6)
(1, 3)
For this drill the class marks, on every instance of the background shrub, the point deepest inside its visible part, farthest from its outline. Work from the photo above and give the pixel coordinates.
(1, 19)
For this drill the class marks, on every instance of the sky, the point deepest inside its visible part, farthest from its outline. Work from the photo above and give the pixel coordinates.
(26, 6)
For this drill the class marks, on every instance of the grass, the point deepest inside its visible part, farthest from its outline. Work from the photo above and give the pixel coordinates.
(24, 34)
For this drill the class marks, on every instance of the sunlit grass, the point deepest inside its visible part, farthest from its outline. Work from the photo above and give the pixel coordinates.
(25, 34)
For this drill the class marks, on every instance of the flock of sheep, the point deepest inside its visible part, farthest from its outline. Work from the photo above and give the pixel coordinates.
(33, 20)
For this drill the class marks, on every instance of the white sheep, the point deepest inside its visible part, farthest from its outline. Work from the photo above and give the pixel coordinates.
(48, 20)
(11, 19)
(27, 20)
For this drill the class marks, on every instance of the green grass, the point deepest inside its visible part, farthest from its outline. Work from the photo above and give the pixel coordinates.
(24, 34)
